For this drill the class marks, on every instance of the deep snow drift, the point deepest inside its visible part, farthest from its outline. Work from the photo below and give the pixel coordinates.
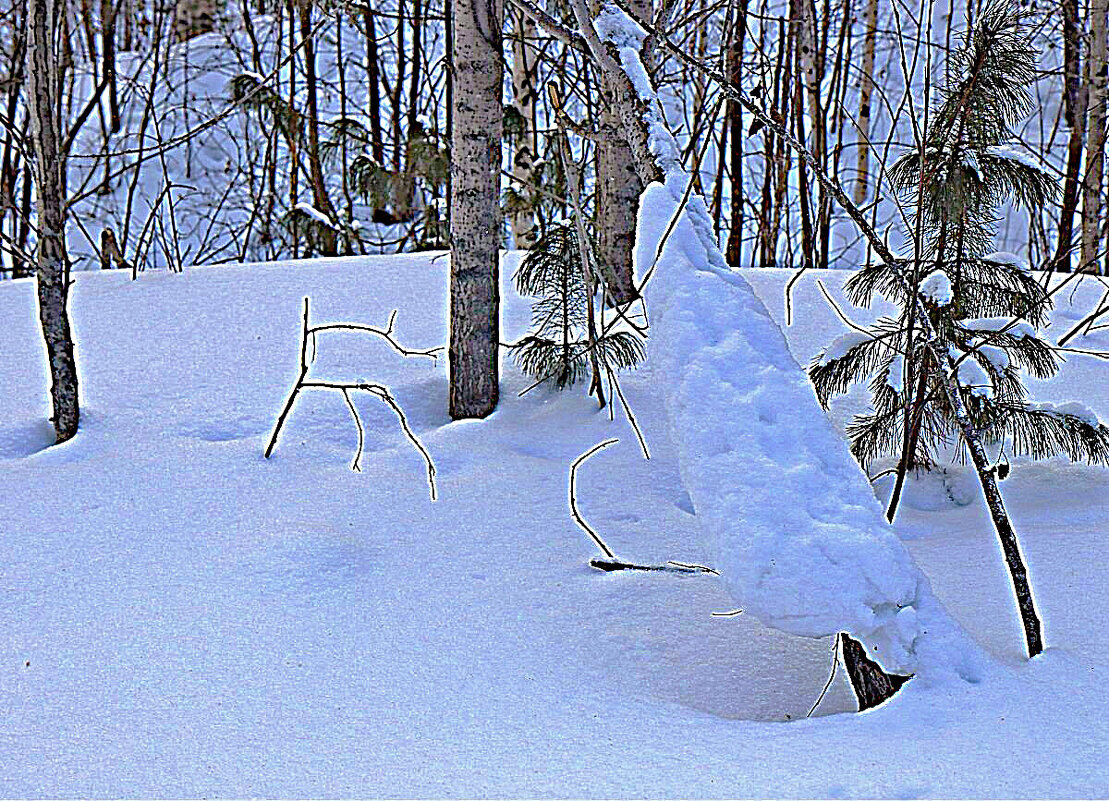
(183, 617)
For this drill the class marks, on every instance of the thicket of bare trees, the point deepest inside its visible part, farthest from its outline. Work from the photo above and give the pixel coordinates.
(262, 129)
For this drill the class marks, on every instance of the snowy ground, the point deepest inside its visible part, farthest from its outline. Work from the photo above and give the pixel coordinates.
(181, 617)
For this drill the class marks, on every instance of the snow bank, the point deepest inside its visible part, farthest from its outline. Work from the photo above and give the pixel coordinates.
(801, 539)
(802, 543)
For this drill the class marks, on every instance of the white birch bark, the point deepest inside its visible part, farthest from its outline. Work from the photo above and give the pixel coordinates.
(477, 125)
(866, 90)
(523, 98)
(1096, 67)
(618, 188)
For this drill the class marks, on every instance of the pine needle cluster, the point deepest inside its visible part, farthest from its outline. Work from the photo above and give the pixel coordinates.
(557, 350)
(987, 309)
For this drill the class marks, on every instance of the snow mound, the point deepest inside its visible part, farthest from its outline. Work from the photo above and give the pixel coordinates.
(937, 287)
(802, 542)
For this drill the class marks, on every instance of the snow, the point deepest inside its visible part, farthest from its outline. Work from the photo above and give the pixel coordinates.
(1073, 408)
(997, 357)
(895, 377)
(1012, 259)
(971, 374)
(937, 288)
(800, 538)
(1013, 154)
(181, 617)
(317, 215)
(812, 555)
(843, 344)
(1017, 329)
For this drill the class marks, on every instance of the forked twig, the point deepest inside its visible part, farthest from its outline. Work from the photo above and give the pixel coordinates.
(379, 391)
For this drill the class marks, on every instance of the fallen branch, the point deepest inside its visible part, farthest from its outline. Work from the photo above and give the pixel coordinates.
(379, 391)
(611, 562)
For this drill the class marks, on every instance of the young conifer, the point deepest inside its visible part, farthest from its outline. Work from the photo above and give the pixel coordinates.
(557, 351)
(986, 307)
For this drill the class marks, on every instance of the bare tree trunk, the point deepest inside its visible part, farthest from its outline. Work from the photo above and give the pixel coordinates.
(328, 244)
(1096, 67)
(523, 98)
(734, 250)
(373, 78)
(866, 91)
(475, 207)
(195, 17)
(618, 189)
(52, 272)
(108, 12)
(401, 68)
(1072, 183)
(1075, 95)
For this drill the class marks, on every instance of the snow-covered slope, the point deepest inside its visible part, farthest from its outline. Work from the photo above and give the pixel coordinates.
(182, 617)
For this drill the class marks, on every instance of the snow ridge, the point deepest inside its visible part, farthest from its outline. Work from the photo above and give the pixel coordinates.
(801, 541)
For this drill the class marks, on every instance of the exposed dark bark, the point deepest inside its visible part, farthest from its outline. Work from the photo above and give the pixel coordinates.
(373, 77)
(1072, 183)
(734, 250)
(872, 684)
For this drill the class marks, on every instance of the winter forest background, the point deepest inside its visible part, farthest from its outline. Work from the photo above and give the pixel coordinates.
(222, 126)
(554, 397)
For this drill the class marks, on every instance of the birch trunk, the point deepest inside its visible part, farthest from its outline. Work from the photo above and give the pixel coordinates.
(866, 90)
(52, 271)
(1095, 137)
(477, 124)
(618, 188)
(523, 97)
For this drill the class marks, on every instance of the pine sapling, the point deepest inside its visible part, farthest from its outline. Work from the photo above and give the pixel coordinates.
(558, 349)
(985, 308)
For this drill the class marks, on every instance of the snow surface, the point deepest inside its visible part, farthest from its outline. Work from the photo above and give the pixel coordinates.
(181, 617)
(842, 345)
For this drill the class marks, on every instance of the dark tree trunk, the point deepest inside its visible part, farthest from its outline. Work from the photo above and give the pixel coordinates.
(872, 685)
(477, 123)
(327, 240)
(52, 270)
(734, 250)
(373, 78)
(1075, 95)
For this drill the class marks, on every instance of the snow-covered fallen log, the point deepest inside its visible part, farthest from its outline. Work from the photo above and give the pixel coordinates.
(801, 540)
